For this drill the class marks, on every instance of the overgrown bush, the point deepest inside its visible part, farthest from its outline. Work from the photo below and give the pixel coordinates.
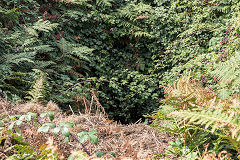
(129, 95)
(70, 42)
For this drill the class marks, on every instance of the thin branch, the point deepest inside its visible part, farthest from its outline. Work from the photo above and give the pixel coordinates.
(84, 148)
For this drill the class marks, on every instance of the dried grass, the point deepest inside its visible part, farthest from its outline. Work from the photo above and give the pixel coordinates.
(134, 141)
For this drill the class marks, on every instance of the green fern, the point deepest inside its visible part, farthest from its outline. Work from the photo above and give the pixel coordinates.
(8, 15)
(44, 25)
(76, 53)
(25, 152)
(28, 152)
(142, 34)
(228, 72)
(41, 25)
(213, 120)
(134, 13)
(104, 3)
(38, 89)
(163, 122)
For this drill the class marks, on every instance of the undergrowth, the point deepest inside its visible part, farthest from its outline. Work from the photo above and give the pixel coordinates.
(204, 123)
(13, 146)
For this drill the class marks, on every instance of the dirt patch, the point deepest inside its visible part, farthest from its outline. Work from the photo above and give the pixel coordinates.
(135, 141)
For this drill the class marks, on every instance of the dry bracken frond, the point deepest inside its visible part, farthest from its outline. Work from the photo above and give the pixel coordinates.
(186, 92)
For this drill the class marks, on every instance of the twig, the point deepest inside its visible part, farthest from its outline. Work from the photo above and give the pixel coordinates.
(156, 140)
(89, 121)
(85, 104)
(138, 121)
(90, 108)
(84, 148)
(71, 109)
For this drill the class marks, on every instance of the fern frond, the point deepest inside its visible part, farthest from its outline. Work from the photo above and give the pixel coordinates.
(28, 152)
(229, 71)
(70, 50)
(43, 64)
(104, 3)
(214, 120)
(42, 25)
(133, 11)
(40, 48)
(80, 51)
(187, 92)
(142, 34)
(21, 57)
(29, 41)
(6, 14)
(164, 122)
(228, 74)
(38, 89)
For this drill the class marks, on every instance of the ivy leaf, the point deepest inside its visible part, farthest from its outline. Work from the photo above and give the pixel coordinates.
(65, 132)
(52, 125)
(18, 131)
(56, 130)
(11, 125)
(32, 114)
(112, 153)
(99, 154)
(5, 119)
(22, 118)
(93, 138)
(67, 124)
(43, 114)
(18, 122)
(17, 116)
(66, 139)
(81, 134)
(44, 129)
(93, 132)
(51, 115)
(28, 117)
(83, 138)
(1, 123)
(12, 117)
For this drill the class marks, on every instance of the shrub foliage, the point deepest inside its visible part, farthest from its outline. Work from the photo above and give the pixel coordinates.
(85, 46)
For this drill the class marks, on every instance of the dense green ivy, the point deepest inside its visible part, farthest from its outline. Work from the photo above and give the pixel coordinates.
(129, 95)
(72, 41)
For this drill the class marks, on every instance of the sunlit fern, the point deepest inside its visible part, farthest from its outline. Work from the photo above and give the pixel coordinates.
(37, 91)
